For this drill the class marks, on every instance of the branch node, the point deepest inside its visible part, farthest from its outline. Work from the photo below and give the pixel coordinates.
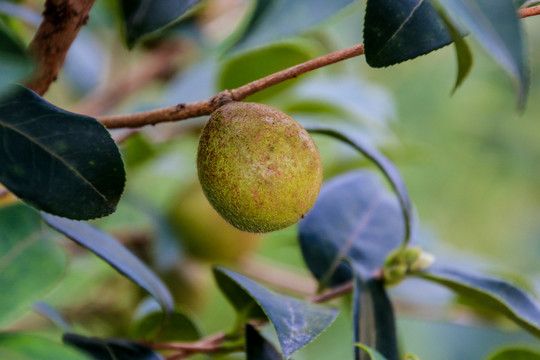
(221, 99)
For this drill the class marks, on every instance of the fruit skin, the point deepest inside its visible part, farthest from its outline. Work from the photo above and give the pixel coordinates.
(258, 167)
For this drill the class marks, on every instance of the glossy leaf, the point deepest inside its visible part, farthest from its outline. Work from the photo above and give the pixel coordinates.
(495, 294)
(355, 218)
(258, 348)
(273, 20)
(142, 17)
(52, 315)
(389, 170)
(373, 319)
(20, 346)
(110, 349)
(30, 264)
(253, 65)
(115, 254)
(15, 64)
(496, 27)
(516, 354)
(62, 163)
(395, 31)
(373, 354)
(296, 322)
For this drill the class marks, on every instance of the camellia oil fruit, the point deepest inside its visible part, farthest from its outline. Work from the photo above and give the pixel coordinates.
(258, 167)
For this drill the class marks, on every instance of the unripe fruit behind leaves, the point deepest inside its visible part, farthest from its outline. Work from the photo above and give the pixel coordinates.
(204, 234)
(258, 167)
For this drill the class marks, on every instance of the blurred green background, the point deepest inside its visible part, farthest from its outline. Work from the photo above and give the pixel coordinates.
(470, 162)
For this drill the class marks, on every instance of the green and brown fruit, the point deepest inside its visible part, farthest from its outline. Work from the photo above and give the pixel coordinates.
(258, 167)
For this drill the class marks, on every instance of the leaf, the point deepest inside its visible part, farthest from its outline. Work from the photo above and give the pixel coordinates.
(373, 318)
(111, 349)
(411, 357)
(495, 294)
(389, 170)
(15, 64)
(515, 354)
(115, 254)
(62, 163)
(463, 52)
(496, 27)
(395, 31)
(258, 63)
(258, 348)
(354, 218)
(151, 324)
(176, 327)
(296, 322)
(142, 17)
(21, 346)
(373, 354)
(52, 315)
(273, 20)
(30, 264)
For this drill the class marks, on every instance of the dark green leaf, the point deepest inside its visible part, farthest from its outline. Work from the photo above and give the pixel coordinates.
(62, 163)
(516, 354)
(387, 167)
(373, 354)
(115, 254)
(20, 346)
(142, 17)
(373, 319)
(30, 264)
(52, 314)
(110, 349)
(495, 25)
(258, 63)
(273, 20)
(156, 327)
(296, 322)
(258, 348)
(354, 218)
(15, 64)
(495, 294)
(395, 31)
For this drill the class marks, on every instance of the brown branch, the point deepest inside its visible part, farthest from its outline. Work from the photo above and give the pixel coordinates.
(333, 293)
(206, 107)
(531, 11)
(62, 20)
(210, 344)
(185, 111)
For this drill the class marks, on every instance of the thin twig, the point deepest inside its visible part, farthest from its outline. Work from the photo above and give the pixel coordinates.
(333, 293)
(62, 20)
(184, 111)
(206, 107)
(210, 344)
(531, 11)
